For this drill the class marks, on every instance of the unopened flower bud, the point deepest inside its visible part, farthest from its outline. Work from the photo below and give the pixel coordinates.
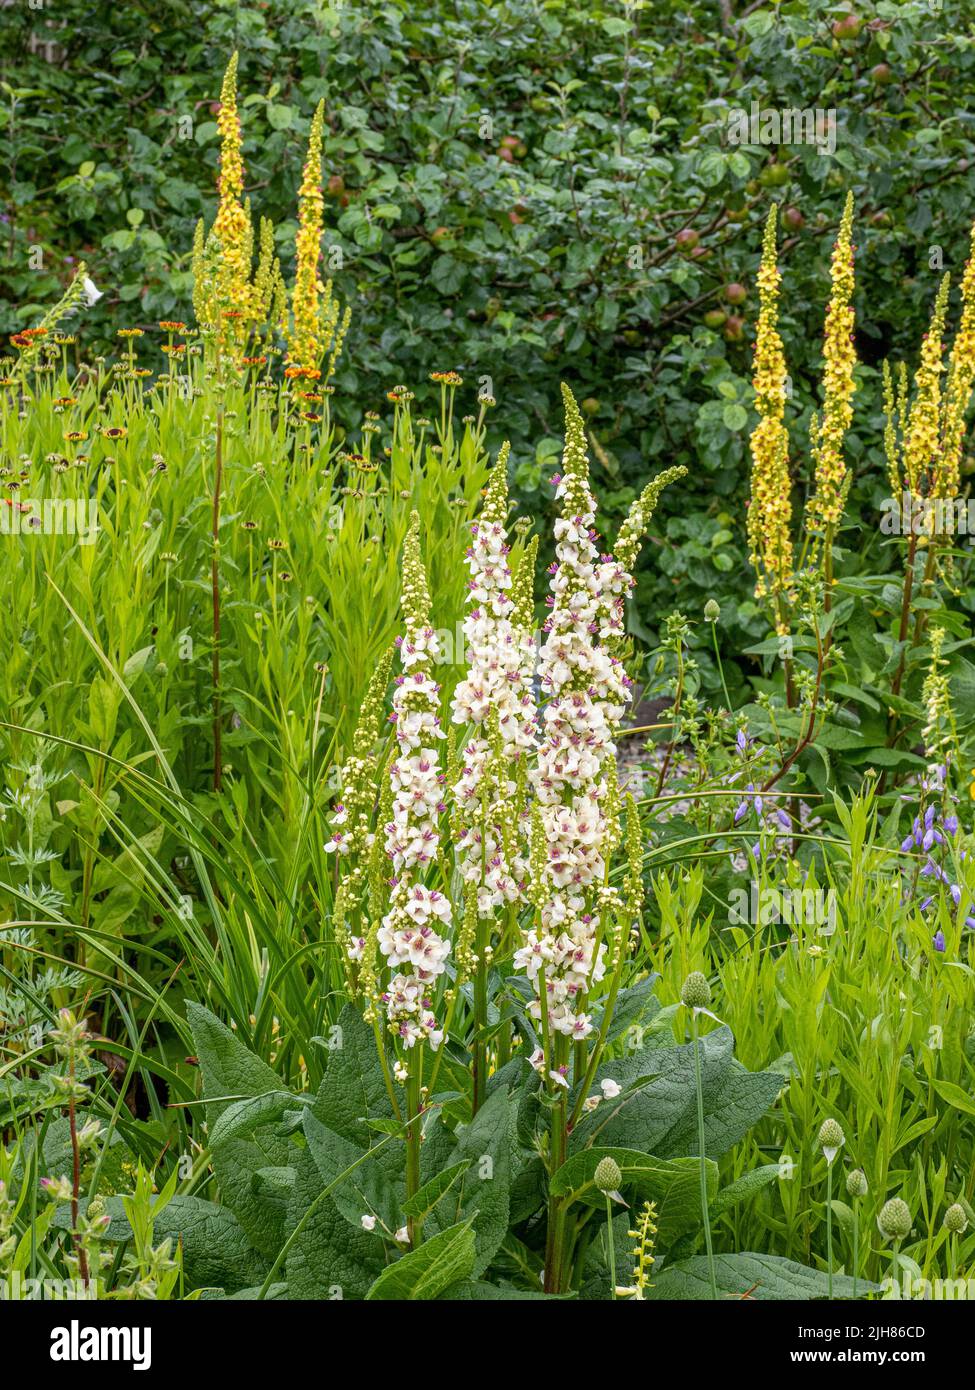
(955, 1219)
(695, 991)
(608, 1176)
(712, 611)
(856, 1183)
(831, 1139)
(894, 1219)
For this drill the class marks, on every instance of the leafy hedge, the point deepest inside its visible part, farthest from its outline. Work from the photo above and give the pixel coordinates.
(524, 192)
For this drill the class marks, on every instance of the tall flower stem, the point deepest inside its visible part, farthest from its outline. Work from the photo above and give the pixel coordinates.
(413, 1111)
(704, 1162)
(480, 1067)
(717, 657)
(829, 1229)
(215, 591)
(856, 1245)
(75, 1173)
(612, 1247)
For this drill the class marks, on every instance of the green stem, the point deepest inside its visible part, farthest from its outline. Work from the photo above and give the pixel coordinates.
(414, 1226)
(717, 657)
(704, 1162)
(480, 1019)
(829, 1229)
(612, 1247)
(856, 1244)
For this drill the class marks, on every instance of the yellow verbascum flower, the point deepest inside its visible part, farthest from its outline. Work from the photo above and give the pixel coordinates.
(770, 506)
(825, 506)
(922, 442)
(305, 340)
(232, 229)
(958, 390)
(895, 427)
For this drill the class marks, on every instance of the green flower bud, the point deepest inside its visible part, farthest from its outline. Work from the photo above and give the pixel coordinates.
(955, 1219)
(894, 1220)
(695, 991)
(712, 611)
(608, 1176)
(856, 1183)
(831, 1138)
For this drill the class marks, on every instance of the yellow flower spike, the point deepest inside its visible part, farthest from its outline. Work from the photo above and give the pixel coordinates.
(891, 451)
(232, 227)
(958, 391)
(770, 507)
(825, 506)
(922, 445)
(306, 340)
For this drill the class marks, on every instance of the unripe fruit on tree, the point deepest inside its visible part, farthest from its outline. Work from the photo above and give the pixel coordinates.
(686, 239)
(734, 329)
(506, 154)
(881, 74)
(520, 150)
(752, 188)
(510, 140)
(774, 176)
(847, 27)
(590, 405)
(715, 318)
(440, 232)
(793, 219)
(735, 293)
(736, 214)
(882, 219)
(632, 337)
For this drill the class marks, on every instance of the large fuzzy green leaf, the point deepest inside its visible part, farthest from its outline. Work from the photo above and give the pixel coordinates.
(761, 1277)
(230, 1069)
(424, 1273)
(216, 1252)
(328, 1258)
(482, 1191)
(673, 1184)
(660, 1117)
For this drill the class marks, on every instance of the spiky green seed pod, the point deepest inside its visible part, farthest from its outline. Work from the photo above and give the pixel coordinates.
(695, 991)
(955, 1219)
(894, 1220)
(856, 1183)
(608, 1175)
(831, 1136)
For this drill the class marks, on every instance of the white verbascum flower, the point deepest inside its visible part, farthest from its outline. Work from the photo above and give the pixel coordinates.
(495, 694)
(412, 935)
(587, 691)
